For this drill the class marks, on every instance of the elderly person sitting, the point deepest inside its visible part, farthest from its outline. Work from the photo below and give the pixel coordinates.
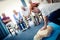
(19, 20)
(7, 21)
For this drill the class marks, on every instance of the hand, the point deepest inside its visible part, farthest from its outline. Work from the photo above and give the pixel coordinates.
(23, 16)
(43, 28)
(21, 20)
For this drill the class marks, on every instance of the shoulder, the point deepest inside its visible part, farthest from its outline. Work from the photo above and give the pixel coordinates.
(43, 6)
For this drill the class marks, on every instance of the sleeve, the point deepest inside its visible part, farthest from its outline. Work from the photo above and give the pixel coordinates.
(45, 11)
(20, 16)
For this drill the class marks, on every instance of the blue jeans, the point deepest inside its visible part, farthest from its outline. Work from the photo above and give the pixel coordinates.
(21, 25)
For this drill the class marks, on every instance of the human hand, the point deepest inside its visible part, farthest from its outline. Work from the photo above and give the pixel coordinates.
(43, 28)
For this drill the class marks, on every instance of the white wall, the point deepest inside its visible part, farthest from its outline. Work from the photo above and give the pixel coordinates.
(8, 6)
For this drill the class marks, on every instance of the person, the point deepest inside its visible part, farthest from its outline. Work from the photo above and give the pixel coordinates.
(8, 22)
(19, 20)
(34, 16)
(25, 11)
(47, 11)
(35, 3)
(25, 14)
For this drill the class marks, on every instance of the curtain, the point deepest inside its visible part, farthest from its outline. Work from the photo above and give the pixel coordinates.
(3, 30)
(23, 2)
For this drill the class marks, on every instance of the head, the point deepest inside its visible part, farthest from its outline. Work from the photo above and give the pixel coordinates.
(23, 8)
(36, 10)
(30, 1)
(14, 11)
(3, 14)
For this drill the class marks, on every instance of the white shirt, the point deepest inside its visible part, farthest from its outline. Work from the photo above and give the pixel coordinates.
(26, 12)
(46, 9)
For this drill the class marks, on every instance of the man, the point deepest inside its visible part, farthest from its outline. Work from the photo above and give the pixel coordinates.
(49, 25)
(25, 13)
(35, 3)
(19, 20)
(7, 21)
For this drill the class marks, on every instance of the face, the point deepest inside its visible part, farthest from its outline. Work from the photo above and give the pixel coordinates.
(3, 14)
(14, 11)
(23, 8)
(36, 10)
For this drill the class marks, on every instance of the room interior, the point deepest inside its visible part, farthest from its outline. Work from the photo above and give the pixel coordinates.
(8, 6)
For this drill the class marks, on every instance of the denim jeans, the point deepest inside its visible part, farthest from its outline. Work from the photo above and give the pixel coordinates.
(21, 25)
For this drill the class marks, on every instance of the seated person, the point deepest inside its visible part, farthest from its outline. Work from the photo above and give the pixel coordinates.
(25, 13)
(48, 11)
(19, 20)
(7, 21)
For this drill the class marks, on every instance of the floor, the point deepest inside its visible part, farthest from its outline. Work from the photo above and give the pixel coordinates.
(26, 35)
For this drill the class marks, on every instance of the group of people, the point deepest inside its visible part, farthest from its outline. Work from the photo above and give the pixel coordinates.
(23, 20)
(50, 13)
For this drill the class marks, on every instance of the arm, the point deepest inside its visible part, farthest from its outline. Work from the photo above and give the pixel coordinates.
(45, 22)
(6, 20)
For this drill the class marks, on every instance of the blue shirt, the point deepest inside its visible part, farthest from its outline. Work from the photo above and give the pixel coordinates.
(16, 19)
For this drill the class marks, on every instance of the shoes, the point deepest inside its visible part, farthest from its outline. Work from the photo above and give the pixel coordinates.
(24, 30)
(16, 33)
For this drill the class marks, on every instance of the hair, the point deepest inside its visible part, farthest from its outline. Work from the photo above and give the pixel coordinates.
(35, 5)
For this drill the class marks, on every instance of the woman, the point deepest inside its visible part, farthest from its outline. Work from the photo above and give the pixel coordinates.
(19, 20)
